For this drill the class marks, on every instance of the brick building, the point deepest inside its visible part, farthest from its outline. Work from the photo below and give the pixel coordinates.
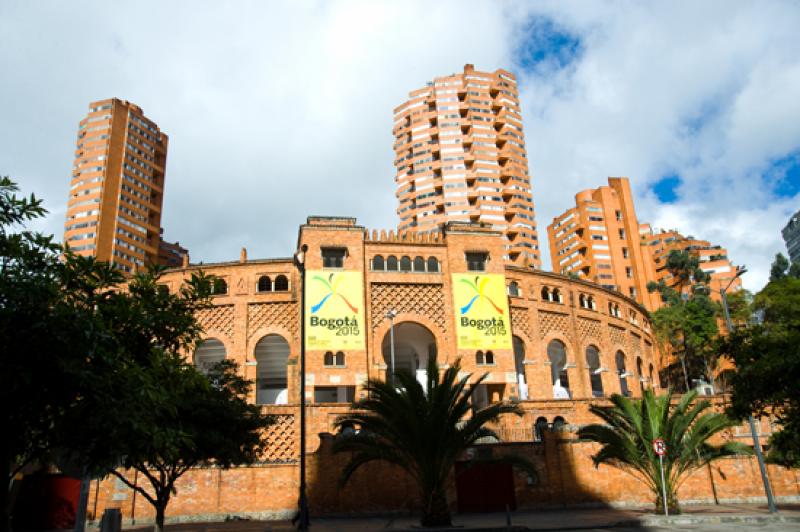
(573, 344)
(713, 259)
(598, 240)
(117, 188)
(460, 156)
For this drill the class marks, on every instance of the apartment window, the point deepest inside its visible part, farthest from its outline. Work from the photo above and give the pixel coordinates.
(622, 234)
(476, 261)
(624, 253)
(333, 257)
(629, 272)
(619, 215)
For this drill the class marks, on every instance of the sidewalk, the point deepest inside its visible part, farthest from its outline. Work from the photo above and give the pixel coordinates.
(541, 520)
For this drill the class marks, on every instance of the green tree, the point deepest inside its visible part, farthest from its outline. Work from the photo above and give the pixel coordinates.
(421, 430)
(779, 267)
(146, 408)
(688, 320)
(631, 425)
(767, 359)
(46, 335)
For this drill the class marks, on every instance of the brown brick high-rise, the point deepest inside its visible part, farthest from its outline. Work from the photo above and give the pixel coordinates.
(460, 156)
(117, 187)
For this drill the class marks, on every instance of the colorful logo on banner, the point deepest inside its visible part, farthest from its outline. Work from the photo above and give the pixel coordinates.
(334, 310)
(482, 318)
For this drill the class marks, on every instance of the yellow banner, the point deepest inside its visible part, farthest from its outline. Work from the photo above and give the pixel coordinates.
(481, 310)
(334, 310)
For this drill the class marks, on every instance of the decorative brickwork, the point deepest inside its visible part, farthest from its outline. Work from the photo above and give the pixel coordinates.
(617, 335)
(551, 321)
(635, 343)
(589, 329)
(217, 318)
(425, 299)
(521, 321)
(284, 315)
(281, 444)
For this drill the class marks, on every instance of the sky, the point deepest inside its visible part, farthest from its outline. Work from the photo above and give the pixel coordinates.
(277, 111)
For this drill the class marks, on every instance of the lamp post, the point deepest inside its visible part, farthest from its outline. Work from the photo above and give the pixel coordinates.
(302, 503)
(391, 314)
(756, 443)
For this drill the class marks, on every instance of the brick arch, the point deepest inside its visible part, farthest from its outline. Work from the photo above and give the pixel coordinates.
(220, 336)
(563, 338)
(586, 342)
(261, 332)
(404, 317)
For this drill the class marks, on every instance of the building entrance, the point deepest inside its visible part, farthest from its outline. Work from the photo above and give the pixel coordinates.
(414, 345)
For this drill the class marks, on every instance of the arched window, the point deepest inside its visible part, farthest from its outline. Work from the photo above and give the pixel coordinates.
(272, 357)
(419, 264)
(489, 358)
(640, 373)
(220, 287)
(479, 358)
(208, 353)
(610, 308)
(281, 283)
(378, 263)
(539, 427)
(391, 263)
(582, 300)
(650, 376)
(264, 284)
(557, 296)
(557, 354)
(405, 264)
(590, 303)
(513, 289)
(334, 360)
(593, 363)
(519, 366)
(433, 265)
(559, 423)
(545, 294)
(622, 373)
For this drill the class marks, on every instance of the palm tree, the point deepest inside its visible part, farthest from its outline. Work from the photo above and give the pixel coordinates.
(631, 425)
(423, 431)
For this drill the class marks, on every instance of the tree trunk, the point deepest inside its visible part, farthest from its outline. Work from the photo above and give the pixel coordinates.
(436, 512)
(161, 508)
(672, 503)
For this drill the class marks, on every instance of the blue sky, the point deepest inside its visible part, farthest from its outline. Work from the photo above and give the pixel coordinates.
(277, 111)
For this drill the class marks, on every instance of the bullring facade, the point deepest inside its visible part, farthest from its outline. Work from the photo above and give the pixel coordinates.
(573, 343)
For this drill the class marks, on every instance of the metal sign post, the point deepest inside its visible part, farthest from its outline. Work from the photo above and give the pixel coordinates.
(660, 448)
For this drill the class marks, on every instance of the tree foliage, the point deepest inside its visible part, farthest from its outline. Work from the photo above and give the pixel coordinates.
(687, 322)
(421, 430)
(767, 357)
(631, 425)
(92, 374)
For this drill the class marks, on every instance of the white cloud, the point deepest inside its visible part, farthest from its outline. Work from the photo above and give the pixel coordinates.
(277, 111)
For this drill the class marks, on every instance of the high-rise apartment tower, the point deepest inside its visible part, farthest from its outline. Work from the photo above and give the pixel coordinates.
(460, 156)
(791, 235)
(598, 240)
(117, 187)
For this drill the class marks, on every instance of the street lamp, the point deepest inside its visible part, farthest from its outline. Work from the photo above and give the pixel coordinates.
(756, 444)
(302, 503)
(391, 314)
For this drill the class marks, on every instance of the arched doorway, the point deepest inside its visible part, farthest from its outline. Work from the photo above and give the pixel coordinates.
(557, 355)
(208, 353)
(414, 345)
(272, 357)
(519, 366)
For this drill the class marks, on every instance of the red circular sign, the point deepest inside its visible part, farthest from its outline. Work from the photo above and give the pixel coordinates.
(659, 447)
